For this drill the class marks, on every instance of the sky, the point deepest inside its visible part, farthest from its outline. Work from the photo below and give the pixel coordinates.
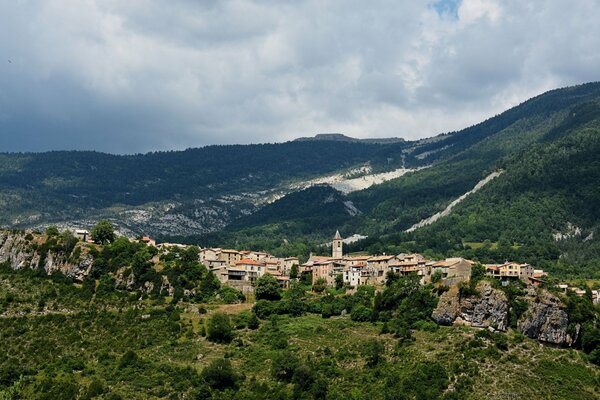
(136, 76)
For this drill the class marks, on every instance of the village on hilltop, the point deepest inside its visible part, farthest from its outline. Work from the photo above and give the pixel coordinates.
(241, 268)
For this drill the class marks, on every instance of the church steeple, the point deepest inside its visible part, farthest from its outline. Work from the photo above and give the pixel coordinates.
(337, 246)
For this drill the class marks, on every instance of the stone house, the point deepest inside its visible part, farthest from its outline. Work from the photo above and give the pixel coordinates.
(454, 270)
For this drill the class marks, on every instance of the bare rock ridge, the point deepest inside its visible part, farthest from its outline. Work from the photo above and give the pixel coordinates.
(545, 318)
(21, 251)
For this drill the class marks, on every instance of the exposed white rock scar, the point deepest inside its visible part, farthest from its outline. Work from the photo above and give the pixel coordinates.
(447, 210)
(352, 185)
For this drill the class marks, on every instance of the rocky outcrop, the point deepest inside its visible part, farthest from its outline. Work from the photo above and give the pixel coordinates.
(487, 310)
(20, 251)
(547, 321)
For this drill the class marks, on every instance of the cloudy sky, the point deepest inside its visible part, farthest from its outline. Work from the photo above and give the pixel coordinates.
(140, 75)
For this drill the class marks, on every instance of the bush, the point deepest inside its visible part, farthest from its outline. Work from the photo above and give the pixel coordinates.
(230, 295)
(284, 366)
(264, 308)
(361, 313)
(320, 285)
(220, 375)
(253, 322)
(267, 288)
(373, 352)
(219, 329)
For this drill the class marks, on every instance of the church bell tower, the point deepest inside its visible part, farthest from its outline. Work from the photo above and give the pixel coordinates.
(337, 246)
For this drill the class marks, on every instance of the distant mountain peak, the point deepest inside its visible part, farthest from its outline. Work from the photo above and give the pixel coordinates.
(340, 137)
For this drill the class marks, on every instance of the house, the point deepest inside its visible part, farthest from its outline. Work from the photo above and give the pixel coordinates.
(408, 264)
(82, 234)
(328, 270)
(454, 270)
(231, 257)
(254, 269)
(512, 271)
(378, 267)
(146, 239)
(356, 274)
(287, 264)
(209, 254)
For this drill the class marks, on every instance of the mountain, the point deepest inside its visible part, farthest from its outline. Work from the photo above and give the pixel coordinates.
(541, 207)
(180, 192)
(338, 137)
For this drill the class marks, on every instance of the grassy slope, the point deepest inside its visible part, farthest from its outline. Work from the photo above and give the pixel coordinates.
(82, 346)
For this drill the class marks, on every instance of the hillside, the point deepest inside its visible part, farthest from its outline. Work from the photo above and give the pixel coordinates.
(547, 148)
(184, 192)
(134, 327)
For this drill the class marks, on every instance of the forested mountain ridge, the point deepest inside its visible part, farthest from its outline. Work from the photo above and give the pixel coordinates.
(191, 191)
(227, 195)
(548, 148)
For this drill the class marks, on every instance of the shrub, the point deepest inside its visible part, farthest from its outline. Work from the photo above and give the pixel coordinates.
(264, 308)
(230, 295)
(219, 329)
(267, 288)
(253, 322)
(361, 313)
(284, 366)
(373, 352)
(220, 375)
(320, 285)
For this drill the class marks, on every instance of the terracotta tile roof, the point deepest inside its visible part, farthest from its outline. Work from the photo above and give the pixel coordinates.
(247, 261)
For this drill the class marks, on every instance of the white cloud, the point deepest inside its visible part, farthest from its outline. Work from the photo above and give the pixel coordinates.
(142, 75)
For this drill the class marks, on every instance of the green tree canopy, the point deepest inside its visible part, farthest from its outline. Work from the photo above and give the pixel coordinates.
(103, 232)
(267, 288)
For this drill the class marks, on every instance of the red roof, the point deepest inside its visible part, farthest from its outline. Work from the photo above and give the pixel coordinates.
(247, 261)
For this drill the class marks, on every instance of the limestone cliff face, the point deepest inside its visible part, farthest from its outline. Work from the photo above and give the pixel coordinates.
(19, 251)
(546, 320)
(488, 310)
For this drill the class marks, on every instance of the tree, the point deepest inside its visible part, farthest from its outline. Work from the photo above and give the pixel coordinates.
(220, 375)
(284, 366)
(52, 231)
(477, 273)
(374, 351)
(436, 276)
(219, 329)
(360, 313)
(267, 288)
(294, 272)
(320, 285)
(253, 322)
(103, 232)
(339, 281)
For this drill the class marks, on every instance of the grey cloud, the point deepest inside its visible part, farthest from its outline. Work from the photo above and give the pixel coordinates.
(148, 75)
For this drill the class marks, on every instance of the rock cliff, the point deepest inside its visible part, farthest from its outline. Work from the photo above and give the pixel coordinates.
(20, 251)
(488, 310)
(545, 318)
